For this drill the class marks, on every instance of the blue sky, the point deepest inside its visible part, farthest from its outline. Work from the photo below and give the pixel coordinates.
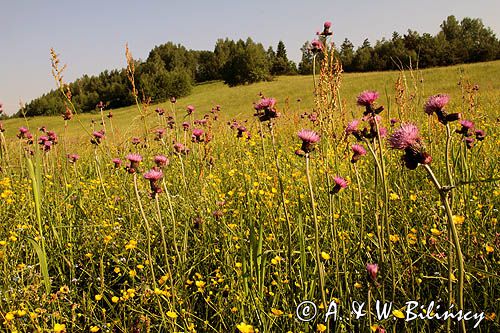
(90, 35)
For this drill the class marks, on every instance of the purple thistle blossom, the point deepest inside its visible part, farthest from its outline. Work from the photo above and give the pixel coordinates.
(436, 103)
(316, 46)
(480, 135)
(340, 183)
(405, 137)
(308, 136)
(372, 270)
(154, 176)
(358, 151)
(197, 133)
(469, 142)
(160, 132)
(161, 160)
(352, 127)
(309, 139)
(467, 128)
(190, 109)
(366, 98)
(180, 148)
(98, 136)
(135, 160)
(72, 158)
(117, 162)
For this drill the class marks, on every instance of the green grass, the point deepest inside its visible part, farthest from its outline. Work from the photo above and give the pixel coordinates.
(237, 102)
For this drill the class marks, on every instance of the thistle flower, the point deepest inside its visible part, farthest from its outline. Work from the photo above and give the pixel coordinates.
(47, 145)
(352, 127)
(190, 109)
(436, 104)
(23, 130)
(185, 126)
(480, 135)
(42, 139)
(466, 129)
(366, 98)
(98, 136)
(393, 121)
(160, 132)
(380, 329)
(180, 148)
(173, 100)
(110, 114)
(340, 183)
(372, 270)
(72, 158)
(154, 176)
(309, 139)
(135, 160)
(316, 46)
(358, 151)
(197, 133)
(100, 105)
(469, 142)
(136, 141)
(52, 136)
(243, 132)
(161, 160)
(160, 111)
(326, 29)
(117, 162)
(407, 138)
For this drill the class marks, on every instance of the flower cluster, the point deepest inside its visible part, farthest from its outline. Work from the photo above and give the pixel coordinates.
(48, 140)
(24, 133)
(468, 131)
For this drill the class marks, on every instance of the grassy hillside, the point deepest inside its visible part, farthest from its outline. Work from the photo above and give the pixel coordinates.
(236, 102)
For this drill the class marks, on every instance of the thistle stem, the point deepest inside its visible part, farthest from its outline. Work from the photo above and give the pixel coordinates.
(316, 235)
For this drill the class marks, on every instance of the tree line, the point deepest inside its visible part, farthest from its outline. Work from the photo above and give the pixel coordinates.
(171, 70)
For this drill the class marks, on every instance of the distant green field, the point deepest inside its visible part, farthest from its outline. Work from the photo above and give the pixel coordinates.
(237, 102)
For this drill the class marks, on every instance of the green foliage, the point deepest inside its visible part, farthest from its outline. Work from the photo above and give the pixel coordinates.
(458, 42)
(247, 63)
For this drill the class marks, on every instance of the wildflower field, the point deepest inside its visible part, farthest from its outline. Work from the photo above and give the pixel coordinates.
(226, 211)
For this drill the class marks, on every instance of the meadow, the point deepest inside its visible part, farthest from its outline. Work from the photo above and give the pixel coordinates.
(212, 219)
